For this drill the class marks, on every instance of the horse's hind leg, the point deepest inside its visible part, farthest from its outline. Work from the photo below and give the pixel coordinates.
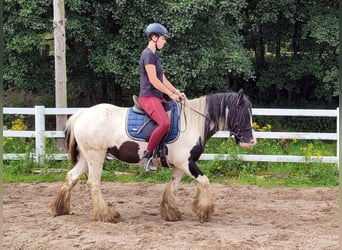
(168, 206)
(101, 211)
(61, 204)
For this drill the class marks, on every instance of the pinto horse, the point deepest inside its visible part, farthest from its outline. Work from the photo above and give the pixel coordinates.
(91, 132)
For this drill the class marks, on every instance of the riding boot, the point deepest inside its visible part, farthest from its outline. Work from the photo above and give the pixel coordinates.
(146, 162)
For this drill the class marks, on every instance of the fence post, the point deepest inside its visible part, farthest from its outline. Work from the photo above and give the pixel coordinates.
(338, 137)
(40, 134)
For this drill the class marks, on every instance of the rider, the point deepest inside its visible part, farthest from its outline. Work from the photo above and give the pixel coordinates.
(153, 84)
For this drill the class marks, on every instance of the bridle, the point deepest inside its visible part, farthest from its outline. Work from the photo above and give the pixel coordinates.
(238, 135)
(238, 132)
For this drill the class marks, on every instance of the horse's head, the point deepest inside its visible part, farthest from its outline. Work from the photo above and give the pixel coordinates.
(233, 112)
(240, 121)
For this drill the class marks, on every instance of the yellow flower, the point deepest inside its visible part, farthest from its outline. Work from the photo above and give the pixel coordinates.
(310, 145)
(303, 149)
(318, 154)
(19, 124)
(294, 140)
(255, 125)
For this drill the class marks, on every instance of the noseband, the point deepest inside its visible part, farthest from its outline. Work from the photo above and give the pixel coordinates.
(238, 135)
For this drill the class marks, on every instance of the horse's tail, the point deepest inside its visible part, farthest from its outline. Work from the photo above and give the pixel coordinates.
(70, 139)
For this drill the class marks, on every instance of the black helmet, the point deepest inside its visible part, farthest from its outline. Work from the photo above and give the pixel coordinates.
(156, 28)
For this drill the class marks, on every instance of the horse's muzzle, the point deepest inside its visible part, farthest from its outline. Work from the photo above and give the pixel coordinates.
(248, 144)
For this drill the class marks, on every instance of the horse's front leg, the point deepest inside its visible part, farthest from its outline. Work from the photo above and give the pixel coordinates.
(203, 205)
(101, 210)
(168, 206)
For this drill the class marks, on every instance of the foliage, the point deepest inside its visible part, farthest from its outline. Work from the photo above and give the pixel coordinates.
(26, 64)
(293, 49)
(206, 58)
(296, 48)
(191, 59)
(17, 144)
(269, 173)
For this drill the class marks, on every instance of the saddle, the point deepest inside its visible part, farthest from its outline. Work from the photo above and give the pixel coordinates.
(139, 126)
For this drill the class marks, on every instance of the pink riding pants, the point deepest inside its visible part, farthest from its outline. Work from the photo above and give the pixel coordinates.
(154, 108)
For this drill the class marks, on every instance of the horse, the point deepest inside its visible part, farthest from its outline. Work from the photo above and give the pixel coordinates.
(92, 132)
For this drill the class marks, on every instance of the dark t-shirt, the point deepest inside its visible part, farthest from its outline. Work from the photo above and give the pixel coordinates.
(146, 87)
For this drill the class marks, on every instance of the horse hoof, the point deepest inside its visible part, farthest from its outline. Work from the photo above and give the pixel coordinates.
(204, 217)
(171, 215)
(61, 205)
(115, 218)
(204, 213)
(58, 211)
(111, 215)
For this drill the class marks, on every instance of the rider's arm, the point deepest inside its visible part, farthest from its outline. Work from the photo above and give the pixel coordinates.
(152, 76)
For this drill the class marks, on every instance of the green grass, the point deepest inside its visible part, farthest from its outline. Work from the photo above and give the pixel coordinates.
(264, 174)
(218, 171)
(275, 173)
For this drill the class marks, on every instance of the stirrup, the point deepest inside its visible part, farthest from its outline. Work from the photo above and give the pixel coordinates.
(147, 165)
(109, 156)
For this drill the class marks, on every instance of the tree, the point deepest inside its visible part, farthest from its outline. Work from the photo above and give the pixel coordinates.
(27, 63)
(206, 53)
(296, 47)
(106, 41)
(281, 52)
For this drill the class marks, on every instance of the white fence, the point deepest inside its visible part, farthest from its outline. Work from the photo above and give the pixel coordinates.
(40, 134)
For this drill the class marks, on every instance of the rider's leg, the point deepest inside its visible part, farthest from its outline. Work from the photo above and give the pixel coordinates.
(154, 108)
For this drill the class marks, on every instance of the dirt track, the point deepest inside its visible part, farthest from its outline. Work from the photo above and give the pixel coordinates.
(246, 217)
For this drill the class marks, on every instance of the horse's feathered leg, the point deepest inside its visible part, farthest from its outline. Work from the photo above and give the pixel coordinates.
(101, 211)
(203, 205)
(168, 206)
(61, 204)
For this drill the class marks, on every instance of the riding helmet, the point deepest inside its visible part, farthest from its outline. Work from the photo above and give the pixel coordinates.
(156, 28)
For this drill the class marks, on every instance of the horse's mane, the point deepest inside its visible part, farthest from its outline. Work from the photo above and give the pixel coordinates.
(194, 116)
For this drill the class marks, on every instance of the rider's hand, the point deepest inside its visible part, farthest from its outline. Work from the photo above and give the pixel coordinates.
(175, 97)
(182, 96)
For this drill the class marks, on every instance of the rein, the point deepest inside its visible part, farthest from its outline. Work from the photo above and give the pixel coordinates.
(182, 104)
(194, 110)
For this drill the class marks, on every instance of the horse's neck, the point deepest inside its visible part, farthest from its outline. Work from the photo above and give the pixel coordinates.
(196, 118)
(197, 105)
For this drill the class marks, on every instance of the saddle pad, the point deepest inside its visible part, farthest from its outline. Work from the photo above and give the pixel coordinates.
(135, 122)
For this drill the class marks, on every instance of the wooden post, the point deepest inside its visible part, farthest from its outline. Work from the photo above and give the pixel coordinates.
(40, 134)
(60, 65)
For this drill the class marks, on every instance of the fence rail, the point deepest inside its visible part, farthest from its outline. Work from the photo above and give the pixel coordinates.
(40, 112)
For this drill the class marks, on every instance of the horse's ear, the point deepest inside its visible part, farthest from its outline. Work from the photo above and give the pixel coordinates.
(240, 97)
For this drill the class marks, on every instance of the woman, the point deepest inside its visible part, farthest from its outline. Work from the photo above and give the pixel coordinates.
(153, 84)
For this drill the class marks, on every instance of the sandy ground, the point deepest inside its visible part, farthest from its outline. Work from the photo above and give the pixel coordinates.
(246, 217)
